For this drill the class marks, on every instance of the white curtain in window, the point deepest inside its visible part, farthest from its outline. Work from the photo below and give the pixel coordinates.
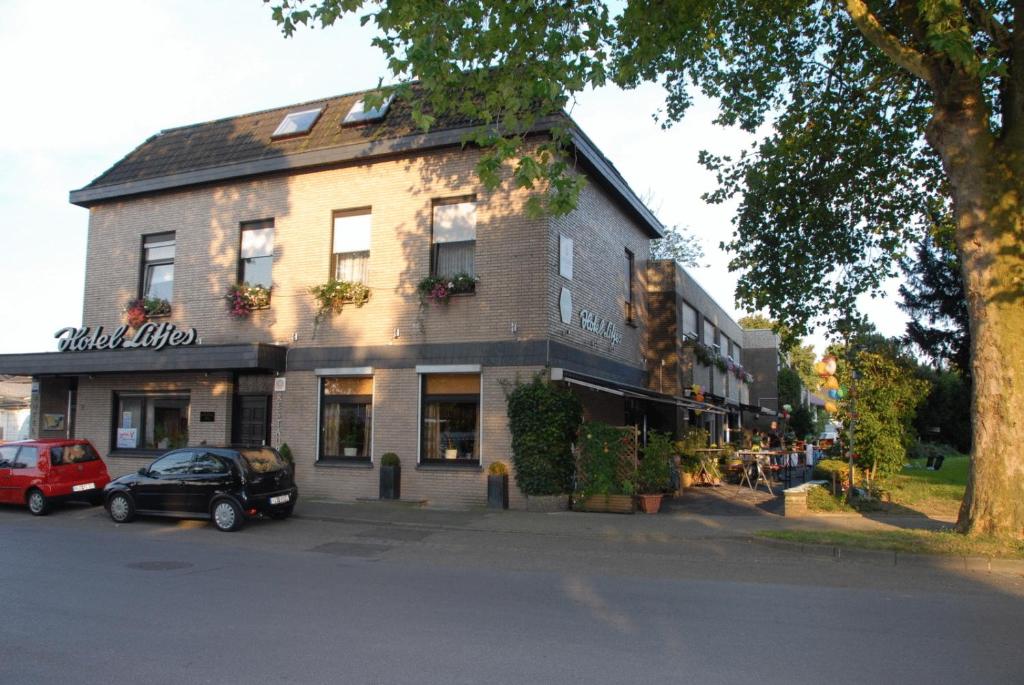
(257, 242)
(689, 319)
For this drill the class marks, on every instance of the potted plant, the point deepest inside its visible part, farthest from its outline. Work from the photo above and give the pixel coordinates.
(243, 299)
(606, 469)
(286, 453)
(332, 296)
(451, 449)
(351, 446)
(141, 309)
(653, 474)
(390, 476)
(439, 289)
(497, 485)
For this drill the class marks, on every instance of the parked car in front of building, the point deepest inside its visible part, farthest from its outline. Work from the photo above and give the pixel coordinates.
(227, 485)
(39, 473)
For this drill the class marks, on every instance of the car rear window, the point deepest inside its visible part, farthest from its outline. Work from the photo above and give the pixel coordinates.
(72, 454)
(262, 460)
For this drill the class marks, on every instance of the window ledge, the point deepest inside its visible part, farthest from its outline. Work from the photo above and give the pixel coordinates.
(442, 466)
(339, 464)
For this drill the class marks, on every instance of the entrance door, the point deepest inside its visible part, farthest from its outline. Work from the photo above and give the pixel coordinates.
(252, 420)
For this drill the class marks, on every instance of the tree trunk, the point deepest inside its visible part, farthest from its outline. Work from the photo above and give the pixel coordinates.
(987, 181)
(994, 502)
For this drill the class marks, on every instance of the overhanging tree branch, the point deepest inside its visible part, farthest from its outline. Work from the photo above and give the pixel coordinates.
(902, 55)
(986, 21)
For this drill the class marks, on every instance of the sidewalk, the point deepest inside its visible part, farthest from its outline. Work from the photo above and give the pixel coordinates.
(695, 516)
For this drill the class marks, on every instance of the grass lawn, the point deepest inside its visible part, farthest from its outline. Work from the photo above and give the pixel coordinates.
(910, 541)
(916, 485)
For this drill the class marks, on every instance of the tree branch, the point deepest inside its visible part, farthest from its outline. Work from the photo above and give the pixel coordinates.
(902, 55)
(990, 25)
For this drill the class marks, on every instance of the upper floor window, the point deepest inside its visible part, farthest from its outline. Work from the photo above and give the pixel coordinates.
(361, 113)
(351, 255)
(709, 334)
(737, 353)
(726, 346)
(453, 243)
(158, 266)
(630, 284)
(689, 321)
(257, 253)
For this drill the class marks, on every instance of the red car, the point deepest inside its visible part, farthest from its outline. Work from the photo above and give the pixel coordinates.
(38, 473)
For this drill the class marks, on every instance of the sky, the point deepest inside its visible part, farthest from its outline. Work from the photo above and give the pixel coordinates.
(85, 82)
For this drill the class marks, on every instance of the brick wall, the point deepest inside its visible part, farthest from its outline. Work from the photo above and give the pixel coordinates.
(400, 192)
(396, 429)
(207, 392)
(601, 233)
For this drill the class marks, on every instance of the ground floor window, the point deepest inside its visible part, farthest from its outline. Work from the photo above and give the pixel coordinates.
(150, 421)
(450, 429)
(346, 418)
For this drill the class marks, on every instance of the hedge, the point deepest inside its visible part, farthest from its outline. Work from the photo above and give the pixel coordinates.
(544, 419)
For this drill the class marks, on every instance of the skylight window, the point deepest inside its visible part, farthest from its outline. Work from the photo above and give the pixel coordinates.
(360, 114)
(297, 123)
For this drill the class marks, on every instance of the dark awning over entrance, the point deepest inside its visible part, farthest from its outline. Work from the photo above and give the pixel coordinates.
(249, 356)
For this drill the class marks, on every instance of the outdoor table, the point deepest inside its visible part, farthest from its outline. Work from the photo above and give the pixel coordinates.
(756, 461)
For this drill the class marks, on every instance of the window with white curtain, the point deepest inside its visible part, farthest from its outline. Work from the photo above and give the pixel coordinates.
(453, 238)
(257, 253)
(351, 257)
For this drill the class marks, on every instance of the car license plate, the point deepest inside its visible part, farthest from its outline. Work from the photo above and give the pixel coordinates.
(280, 499)
(84, 486)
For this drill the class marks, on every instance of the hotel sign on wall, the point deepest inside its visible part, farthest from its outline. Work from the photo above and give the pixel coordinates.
(149, 336)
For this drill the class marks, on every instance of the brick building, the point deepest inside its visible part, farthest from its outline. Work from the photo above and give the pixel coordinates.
(291, 198)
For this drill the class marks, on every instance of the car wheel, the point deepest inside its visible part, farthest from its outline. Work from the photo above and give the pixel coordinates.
(281, 514)
(227, 515)
(122, 509)
(37, 503)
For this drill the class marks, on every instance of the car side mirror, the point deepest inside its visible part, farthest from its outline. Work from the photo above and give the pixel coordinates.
(143, 471)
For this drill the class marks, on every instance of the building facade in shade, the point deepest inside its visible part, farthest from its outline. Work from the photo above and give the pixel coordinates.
(697, 350)
(312, 195)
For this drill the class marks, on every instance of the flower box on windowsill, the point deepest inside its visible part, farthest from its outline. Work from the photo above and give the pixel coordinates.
(244, 299)
(439, 290)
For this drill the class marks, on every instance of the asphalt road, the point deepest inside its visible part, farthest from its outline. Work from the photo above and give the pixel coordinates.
(311, 601)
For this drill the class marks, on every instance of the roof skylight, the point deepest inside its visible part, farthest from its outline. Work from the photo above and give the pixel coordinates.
(297, 123)
(360, 114)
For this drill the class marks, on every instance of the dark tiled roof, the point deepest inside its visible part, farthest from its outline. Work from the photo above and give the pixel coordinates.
(247, 138)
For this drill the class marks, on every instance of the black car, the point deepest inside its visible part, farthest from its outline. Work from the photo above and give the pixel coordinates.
(224, 484)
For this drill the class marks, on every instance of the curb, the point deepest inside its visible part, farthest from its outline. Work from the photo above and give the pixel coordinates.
(895, 558)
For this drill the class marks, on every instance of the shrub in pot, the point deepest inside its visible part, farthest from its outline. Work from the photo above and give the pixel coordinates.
(497, 485)
(390, 476)
(286, 453)
(654, 472)
(606, 469)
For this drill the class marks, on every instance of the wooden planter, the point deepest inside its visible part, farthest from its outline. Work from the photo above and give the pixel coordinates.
(649, 504)
(606, 504)
(391, 482)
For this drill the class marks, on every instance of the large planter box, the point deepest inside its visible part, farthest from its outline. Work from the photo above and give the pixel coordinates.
(547, 503)
(497, 492)
(606, 504)
(391, 482)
